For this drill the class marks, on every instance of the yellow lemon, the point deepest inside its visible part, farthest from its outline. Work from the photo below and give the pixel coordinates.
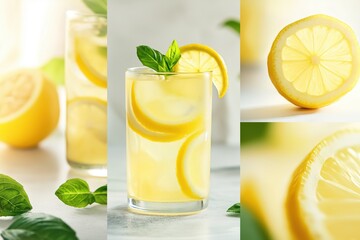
(87, 130)
(29, 108)
(314, 61)
(193, 165)
(91, 58)
(323, 200)
(201, 58)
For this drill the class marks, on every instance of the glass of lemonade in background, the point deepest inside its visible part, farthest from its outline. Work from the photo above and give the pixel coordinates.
(168, 140)
(86, 89)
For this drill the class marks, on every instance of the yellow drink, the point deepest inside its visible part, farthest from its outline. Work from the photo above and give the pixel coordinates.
(168, 140)
(86, 88)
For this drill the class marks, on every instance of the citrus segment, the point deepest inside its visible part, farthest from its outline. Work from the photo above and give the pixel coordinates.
(29, 108)
(324, 194)
(201, 58)
(91, 58)
(314, 61)
(192, 166)
(86, 130)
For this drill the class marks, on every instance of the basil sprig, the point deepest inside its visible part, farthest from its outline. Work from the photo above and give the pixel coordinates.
(76, 193)
(157, 61)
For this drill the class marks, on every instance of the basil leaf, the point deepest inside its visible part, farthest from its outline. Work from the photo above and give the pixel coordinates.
(13, 198)
(19, 234)
(234, 208)
(55, 70)
(173, 55)
(97, 6)
(76, 193)
(251, 227)
(233, 24)
(100, 195)
(38, 226)
(152, 58)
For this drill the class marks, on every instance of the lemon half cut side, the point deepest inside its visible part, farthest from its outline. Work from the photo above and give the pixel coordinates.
(314, 61)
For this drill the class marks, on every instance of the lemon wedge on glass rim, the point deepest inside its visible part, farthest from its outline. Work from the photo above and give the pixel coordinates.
(323, 200)
(314, 61)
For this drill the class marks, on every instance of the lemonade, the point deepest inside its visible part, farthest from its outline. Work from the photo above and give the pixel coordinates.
(86, 88)
(168, 140)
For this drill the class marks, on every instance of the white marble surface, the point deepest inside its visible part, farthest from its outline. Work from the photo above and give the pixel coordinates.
(41, 171)
(212, 224)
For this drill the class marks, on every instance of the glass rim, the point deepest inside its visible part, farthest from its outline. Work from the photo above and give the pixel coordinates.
(76, 13)
(137, 71)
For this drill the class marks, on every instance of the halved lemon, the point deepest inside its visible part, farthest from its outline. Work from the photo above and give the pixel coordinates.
(200, 58)
(29, 108)
(91, 58)
(193, 166)
(324, 195)
(314, 61)
(86, 130)
(159, 110)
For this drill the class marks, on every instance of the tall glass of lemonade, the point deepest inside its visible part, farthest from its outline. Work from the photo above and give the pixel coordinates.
(86, 89)
(168, 140)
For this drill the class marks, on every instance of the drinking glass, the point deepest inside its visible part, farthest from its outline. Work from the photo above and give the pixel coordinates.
(86, 90)
(168, 141)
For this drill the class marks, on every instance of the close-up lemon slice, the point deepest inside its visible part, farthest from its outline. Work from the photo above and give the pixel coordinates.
(314, 61)
(201, 58)
(193, 166)
(86, 130)
(29, 108)
(161, 111)
(323, 201)
(91, 58)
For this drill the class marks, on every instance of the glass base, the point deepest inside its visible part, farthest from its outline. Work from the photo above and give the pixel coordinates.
(92, 170)
(167, 208)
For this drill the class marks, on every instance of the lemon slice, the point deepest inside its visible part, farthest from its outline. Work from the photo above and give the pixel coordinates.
(91, 58)
(201, 58)
(161, 111)
(193, 164)
(29, 108)
(154, 136)
(324, 195)
(86, 131)
(314, 61)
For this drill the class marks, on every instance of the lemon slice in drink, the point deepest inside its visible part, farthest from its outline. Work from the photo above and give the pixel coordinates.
(192, 166)
(314, 61)
(201, 58)
(91, 58)
(87, 130)
(29, 108)
(324, 195)
(159, 110)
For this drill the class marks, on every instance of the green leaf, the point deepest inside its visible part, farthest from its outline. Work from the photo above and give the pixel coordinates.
(173, 55)
(13, 198)
(38, 226)
(55, 70)
(152, 58)
(234, 209)
(251, 228)
(100, 195)
(97, 6)
(233, 24)
(76, 193)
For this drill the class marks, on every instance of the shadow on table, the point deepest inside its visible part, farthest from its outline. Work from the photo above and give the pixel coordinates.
(276, 111)
(5, 222)
(28, 161)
